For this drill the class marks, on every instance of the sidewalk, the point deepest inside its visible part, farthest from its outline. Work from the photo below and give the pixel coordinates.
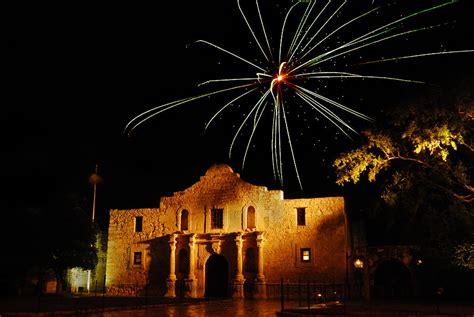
(386, 308)
(31, 305)
(86, 305)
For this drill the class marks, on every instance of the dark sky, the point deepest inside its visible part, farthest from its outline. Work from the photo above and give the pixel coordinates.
(77, 74)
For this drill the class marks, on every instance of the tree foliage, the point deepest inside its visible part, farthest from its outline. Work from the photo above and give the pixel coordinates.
(421, 160)
(430, 142)
(464, 255)
(71, 237)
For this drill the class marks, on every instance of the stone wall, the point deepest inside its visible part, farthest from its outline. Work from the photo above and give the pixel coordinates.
(220, 188)
(324, 234)
(122, 276)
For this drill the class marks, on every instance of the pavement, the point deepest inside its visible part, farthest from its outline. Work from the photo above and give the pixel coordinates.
(114, 306)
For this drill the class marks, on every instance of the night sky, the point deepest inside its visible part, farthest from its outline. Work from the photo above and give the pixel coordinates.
(77, 74)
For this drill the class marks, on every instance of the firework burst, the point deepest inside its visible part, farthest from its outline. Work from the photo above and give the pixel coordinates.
(298, 60)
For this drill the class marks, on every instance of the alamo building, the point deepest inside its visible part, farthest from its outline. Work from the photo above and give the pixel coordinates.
(225, 237)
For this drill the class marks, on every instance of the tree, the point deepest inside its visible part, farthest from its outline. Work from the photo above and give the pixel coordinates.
(56, 237)
(421, 158)
(71, 237)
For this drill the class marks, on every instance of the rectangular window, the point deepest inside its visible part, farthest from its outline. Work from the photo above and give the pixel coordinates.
(301, 216)
(217, 221)
(305, 255)
(137, 258)
(138, 224)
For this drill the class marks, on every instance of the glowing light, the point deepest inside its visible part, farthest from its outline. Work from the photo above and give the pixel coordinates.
(306, 59)
(359, 264)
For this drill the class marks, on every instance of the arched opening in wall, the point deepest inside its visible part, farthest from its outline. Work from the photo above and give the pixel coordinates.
(251, 217)
(249, 261)
(392, 280)
(183, 264)
(250, 270)
(216, 276)
(184, 220)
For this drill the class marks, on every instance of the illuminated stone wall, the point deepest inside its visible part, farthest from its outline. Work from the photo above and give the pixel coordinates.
(220, 188)
(323, 234)
(122, 276)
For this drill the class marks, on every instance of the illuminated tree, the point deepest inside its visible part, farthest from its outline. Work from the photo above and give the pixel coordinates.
(422, 160)
(464, 255)
(431, 142)
(70, 239)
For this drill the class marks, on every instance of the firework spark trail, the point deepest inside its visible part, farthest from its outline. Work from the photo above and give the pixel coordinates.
(257, 104)
(336, 104)
(263, 28)
(159, 109)
(320, 59)
(307, 30)
(226, 105)
(283, 30)
(333, 32)
(415, 56)
(226, 80)
(300, 26)
(232, 54)
(328, 115)
(383, 27)
(322, 27)
(297, 58)
(256, 120)
(276, 142)
(251, 31)
(291, 146)
(339, 75)
(327, 57)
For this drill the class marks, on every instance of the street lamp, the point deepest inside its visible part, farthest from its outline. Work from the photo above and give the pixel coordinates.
(359, 263)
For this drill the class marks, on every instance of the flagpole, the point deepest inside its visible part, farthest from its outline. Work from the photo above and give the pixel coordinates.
(95, 180)
(95, 192)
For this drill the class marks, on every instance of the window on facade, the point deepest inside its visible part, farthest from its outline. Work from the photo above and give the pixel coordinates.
(251, 217)
(138, 224)
(184, 220)
(217, 221)
(137, 258)
(305, 255)
(301, 216)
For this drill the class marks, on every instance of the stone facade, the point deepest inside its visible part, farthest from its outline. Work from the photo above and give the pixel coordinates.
(225, 230)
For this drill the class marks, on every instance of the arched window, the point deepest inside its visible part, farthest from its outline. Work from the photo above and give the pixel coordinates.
(251, 217)
(184, 220)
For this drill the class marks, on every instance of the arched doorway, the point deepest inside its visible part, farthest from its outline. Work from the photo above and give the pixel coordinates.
(250, 272)
(216, 276)
(392, 280)
(183, 263)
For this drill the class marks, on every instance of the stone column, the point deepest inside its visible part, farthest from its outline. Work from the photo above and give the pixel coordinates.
(191, 281)
(260, 286)
(171, 281)
(239, 277)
